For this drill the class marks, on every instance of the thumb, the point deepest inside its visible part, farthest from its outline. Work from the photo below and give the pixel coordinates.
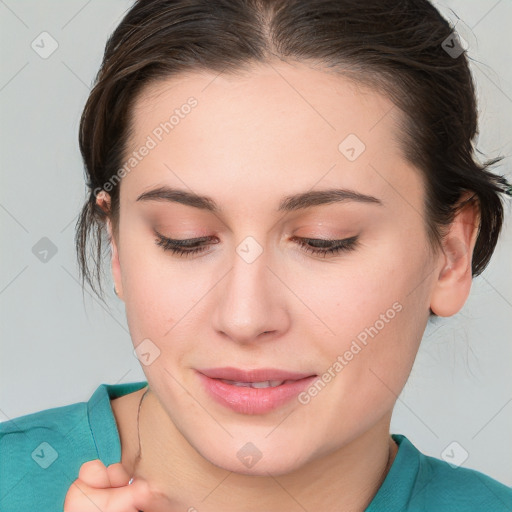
(149, 499)
(142, 495)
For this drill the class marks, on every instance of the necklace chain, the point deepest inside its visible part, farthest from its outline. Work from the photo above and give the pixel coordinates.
(139, 451)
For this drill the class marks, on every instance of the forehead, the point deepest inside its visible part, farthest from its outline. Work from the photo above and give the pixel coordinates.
(277, 126)
(279, 94)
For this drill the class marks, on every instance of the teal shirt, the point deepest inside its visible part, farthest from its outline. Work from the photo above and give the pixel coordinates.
(41, 455)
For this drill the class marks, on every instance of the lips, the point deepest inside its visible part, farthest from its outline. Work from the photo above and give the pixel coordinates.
(253, 391)
(256, 375)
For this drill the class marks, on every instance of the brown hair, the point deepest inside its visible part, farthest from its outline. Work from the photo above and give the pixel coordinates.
(397, 46)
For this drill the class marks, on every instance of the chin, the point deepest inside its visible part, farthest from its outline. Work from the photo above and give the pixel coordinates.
(245, 458)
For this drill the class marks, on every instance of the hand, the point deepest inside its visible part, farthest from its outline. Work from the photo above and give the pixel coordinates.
(106, 488)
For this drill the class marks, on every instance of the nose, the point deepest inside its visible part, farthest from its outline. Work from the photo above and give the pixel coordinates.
(250, 303)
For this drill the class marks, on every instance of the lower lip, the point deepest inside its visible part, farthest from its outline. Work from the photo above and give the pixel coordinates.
(248, 400)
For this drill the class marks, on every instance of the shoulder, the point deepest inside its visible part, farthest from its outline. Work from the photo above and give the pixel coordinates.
(421, 483)
(41, 455)
(442, 486)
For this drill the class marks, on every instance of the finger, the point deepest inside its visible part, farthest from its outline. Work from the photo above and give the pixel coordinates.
(95, 474)
(84, 498)
(118, 475)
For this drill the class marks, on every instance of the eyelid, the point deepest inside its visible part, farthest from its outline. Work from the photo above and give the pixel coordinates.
(208, 238)
(187, 241)
(189, 247)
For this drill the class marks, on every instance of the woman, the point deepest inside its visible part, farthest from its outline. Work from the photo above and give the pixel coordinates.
(290, 192)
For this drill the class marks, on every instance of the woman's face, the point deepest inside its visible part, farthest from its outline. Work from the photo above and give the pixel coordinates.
(255, 298)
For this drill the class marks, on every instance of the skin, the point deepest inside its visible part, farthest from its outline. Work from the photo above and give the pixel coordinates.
(251, 140)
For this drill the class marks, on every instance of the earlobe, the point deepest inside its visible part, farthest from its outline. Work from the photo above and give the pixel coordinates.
(454, 278)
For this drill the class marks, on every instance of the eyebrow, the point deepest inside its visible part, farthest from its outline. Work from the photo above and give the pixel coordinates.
(290, 203)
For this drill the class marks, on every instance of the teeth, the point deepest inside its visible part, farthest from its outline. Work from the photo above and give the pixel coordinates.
(258, 385)
(267, 384)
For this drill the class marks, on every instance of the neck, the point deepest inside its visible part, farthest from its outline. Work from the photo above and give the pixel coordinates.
(346, 479)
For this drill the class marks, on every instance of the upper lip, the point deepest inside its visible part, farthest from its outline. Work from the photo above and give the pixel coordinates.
(254, 375)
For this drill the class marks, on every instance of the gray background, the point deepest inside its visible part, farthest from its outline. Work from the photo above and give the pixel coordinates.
(56, 349)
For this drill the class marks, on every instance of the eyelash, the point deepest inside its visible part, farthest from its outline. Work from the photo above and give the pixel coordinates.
(337, 246)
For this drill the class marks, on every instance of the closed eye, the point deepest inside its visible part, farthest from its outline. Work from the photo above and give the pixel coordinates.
(319, 246)
(316, 246)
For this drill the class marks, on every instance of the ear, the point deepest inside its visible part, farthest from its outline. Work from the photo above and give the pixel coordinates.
(116, 266)
(103, 201)
(454, 279)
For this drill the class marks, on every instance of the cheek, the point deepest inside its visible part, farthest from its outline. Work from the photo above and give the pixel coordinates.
(152, 304)
(355, 293)
(163, 297)
(376, 313)
(378, 324)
